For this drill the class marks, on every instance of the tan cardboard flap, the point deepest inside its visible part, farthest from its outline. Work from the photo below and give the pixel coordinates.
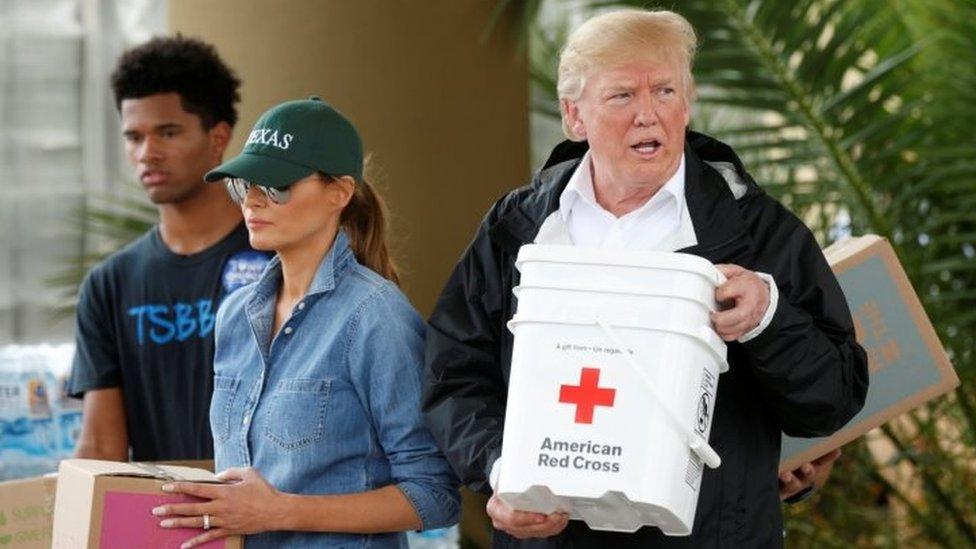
(207, 464)
(144, 470)
(840, 253)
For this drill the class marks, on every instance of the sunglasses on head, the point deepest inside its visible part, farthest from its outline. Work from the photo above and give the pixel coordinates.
(238, 189)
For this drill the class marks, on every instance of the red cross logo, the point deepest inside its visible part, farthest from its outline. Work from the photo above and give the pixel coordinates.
(587, 395)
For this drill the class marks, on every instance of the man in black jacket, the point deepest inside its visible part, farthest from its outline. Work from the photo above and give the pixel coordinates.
(634, 178)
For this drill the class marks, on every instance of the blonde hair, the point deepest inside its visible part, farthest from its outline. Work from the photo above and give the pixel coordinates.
(613, 38)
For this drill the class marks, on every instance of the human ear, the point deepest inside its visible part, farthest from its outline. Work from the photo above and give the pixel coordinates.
(571, 113)
(341, 191)
(219, 136)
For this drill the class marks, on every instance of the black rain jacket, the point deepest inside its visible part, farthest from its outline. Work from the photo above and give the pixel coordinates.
(804, 375)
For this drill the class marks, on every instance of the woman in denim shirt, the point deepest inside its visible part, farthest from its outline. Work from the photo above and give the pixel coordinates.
(317, 375)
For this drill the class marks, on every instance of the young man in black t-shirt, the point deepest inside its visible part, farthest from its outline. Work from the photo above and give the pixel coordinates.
(145, 318)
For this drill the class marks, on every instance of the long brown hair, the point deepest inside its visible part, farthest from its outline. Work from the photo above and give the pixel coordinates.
(365, 220)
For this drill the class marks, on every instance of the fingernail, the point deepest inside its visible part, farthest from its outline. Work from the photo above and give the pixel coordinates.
(167, 488)
(786, 477)
(166, 523)
(158, 511)
(808, 469)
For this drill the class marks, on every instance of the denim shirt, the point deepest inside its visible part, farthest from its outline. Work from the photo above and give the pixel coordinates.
(332, 404)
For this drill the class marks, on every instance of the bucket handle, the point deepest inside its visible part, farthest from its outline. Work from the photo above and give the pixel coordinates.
(697, 443)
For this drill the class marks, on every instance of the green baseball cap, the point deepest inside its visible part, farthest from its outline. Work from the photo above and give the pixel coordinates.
(293, 140)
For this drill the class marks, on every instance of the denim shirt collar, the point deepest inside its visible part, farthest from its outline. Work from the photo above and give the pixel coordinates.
(260, 306)
(332, 265)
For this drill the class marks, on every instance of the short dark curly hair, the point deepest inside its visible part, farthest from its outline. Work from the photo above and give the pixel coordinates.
(187, 66)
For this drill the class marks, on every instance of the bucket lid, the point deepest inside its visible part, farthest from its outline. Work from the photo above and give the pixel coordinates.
(674, 261)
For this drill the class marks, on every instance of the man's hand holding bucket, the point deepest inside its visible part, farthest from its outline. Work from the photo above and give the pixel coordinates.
(746, 296)
(524, 524)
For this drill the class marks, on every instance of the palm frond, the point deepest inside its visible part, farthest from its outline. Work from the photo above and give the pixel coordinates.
(109, 221)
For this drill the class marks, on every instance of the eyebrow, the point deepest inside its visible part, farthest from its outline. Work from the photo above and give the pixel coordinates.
(628, 86)
(614, 88)
(157, 128)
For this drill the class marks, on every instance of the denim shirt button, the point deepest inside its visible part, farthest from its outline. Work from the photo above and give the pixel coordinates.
(301, 305)
(288, 330)
(247, 417)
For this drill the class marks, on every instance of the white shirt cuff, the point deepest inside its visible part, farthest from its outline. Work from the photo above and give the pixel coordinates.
(496, 470)
(770, 309)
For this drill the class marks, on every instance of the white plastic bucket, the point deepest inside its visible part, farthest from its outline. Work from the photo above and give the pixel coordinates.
(614, 372)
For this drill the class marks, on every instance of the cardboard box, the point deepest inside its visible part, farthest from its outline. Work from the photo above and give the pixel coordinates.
(108, 505)
(907, 363)
(26, 508)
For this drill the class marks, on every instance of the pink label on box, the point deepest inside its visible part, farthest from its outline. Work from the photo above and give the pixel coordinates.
(128, 522)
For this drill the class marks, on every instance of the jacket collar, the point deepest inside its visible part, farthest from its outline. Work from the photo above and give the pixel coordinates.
(720, 229)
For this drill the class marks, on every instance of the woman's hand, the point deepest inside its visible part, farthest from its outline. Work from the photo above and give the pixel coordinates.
(248, 506)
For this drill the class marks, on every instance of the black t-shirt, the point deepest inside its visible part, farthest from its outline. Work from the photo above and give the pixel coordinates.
(145, 323)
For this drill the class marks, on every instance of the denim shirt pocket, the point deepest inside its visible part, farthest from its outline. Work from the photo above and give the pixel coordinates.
(296, 413)
(222, 404)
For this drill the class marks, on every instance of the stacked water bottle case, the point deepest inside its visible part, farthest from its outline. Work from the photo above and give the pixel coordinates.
(39, 423)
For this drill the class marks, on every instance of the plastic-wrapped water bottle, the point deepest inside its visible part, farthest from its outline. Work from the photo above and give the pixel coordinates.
(27, 439)
(66, 410)
(36, 424)
(440, 538)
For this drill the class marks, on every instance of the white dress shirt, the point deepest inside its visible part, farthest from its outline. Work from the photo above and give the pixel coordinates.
(656, 225)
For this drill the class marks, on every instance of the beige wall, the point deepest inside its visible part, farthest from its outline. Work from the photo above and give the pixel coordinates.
(444, 114)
